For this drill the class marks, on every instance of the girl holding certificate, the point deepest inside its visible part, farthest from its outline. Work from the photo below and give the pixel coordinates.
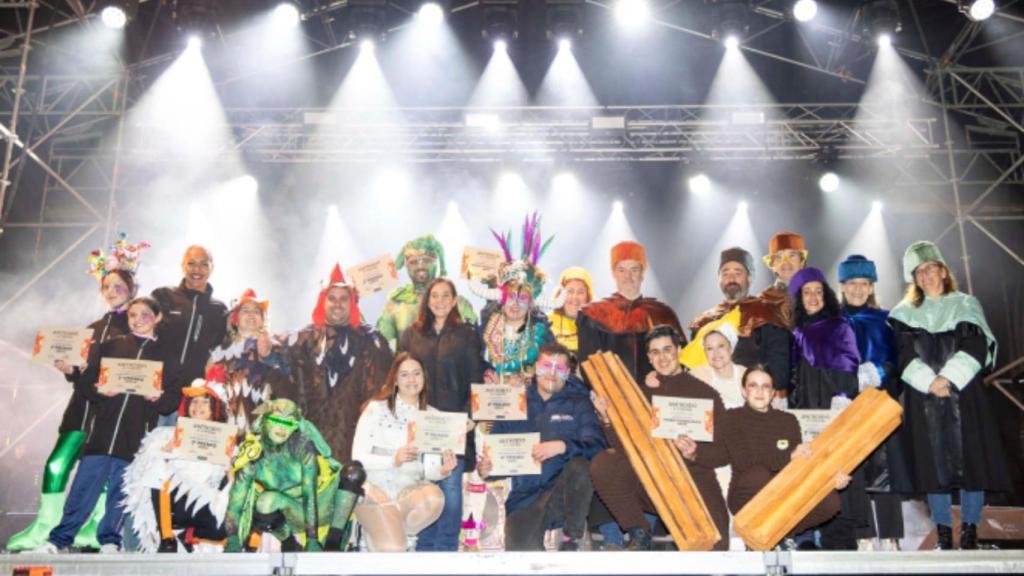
(121, 420)
(401, 498)
(116, 273)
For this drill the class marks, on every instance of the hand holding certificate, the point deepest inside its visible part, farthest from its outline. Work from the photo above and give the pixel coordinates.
(374, 276)
(127, 376)
(204, 441)
(498, 402)
(512, 454)
(481, 263)
(675, 417)
(70, 345)
(433, 432)
(813, 422)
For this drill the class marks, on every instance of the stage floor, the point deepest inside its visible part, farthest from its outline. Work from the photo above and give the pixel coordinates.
(773, 563)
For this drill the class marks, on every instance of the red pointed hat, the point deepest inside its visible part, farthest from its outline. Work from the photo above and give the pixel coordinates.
(337, 279)
(248, 296)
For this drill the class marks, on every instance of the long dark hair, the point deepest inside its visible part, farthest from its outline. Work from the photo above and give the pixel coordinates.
(389, 391)
(425, 318)
(831, 309)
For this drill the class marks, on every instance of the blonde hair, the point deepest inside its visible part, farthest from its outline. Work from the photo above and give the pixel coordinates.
(915, 295)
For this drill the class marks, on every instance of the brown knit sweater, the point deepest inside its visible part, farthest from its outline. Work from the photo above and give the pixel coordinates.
(745, 438)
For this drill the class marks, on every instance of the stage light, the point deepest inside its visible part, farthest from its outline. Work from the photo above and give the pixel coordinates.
(194, 42)
(367, 20)
(286, 15)
(617, 206)
(564, 183)
(565, 44)
(978, 10)
(114, 17)
(564, 20)
(805, 10)
(729, 18)
(829, 182)
(366, 46)
(881, 19)
(742, 206)
(500, 20)
(500, 46)
(699, 184)
(877, 206)
(732, 42)
(632, 13)
(248, 184)
(431, 13)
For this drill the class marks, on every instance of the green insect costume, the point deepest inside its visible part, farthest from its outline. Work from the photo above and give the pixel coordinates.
(423, 257)
(287, 484)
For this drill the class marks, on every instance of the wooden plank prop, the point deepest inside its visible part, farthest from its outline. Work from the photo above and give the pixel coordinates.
(804, 483)
(656, 461)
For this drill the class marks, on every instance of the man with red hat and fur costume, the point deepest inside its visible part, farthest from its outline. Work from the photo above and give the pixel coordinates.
(338, 363)
(620, 322)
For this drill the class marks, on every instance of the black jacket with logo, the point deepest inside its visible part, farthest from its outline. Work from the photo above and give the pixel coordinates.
(194, 324)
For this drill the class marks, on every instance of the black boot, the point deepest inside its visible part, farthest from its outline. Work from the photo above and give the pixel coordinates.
(968, 536)
(569, 545)
(945, 540)
(333, 541)
(639, 539)
(168, 545)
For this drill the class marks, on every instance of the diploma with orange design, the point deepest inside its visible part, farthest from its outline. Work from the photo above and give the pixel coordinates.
(497, 402)
(433, 432)
(127, 376)
(68, 344)
(512, 454)
(204, 441)
(813, 422)
(675, 417)
(481, 263)
(372, 276)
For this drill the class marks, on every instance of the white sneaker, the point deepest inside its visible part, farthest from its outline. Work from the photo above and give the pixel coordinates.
(110, 549)
(889, 544)
(865, 544)
(46, 548)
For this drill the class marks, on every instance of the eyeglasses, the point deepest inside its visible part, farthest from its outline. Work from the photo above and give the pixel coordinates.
(791, 256)
(421, 261)
(926, 269)
(523, 299)
(556, 369)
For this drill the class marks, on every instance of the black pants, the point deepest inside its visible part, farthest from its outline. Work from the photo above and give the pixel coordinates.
(199, 523)
(889, 511)
(567, 502)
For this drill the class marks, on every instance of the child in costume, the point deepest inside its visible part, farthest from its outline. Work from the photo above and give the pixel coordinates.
(120, 422)
(287, 484)
(164, 493)
(116, 273)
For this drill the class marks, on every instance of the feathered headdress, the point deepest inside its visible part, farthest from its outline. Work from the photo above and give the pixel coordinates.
(524, 270)
(248, 296)
(122, 256)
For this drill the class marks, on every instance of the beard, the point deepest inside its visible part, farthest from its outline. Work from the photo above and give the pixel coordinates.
(734, 291)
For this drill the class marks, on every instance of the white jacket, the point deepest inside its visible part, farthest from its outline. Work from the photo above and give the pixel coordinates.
(379, 434)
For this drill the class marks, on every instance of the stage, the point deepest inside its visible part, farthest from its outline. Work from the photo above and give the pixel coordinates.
(954, 562)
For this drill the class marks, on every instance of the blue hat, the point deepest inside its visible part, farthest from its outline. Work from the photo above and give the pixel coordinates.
(857, 266)
(803, 277)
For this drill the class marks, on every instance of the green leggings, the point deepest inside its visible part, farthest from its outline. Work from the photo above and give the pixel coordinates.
(62, 461)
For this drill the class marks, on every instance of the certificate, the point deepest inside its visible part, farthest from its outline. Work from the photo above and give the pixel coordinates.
(674, 417)
(126, 376)
(374, 276)
(512, 454)
(204, 441)
(481, 263)
(68, 344)
(498, 402)
(813, 422)
(435, 432)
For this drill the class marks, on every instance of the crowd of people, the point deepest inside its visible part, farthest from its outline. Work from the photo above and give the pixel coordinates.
(324, 413)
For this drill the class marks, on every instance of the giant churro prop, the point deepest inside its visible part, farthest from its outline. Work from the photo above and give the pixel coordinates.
(656, 461)
(855, 433)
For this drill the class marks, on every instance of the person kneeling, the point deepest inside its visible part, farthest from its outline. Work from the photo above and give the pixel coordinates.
(758, 441)
(287, 484)
(400, 498)
(163, 493)
(559, 408)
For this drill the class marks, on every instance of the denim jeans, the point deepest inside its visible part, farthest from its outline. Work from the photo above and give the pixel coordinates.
(93, 473)
(971, 503)
(443, 535)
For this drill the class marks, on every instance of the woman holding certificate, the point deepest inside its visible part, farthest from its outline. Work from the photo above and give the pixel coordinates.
(130, 380)
(400, 498)
(116, 273)
(449, 350)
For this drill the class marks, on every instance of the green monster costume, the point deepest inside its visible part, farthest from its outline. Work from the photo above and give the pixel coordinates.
(403, 303)
(287, 484)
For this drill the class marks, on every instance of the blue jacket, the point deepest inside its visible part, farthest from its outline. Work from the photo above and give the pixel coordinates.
(875, 340)
(567, 416)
